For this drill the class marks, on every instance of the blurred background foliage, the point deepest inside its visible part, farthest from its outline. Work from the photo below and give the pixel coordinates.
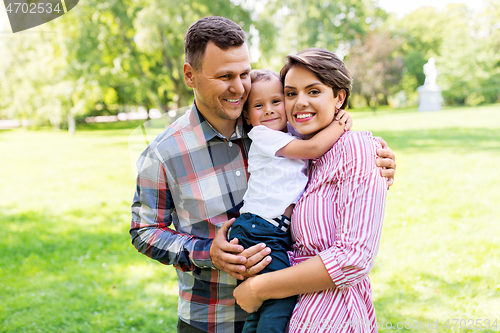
(110, 57)
(66, 262)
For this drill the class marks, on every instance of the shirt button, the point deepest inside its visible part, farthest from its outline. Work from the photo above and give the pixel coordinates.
(253, 225)
(238, 173)
(230, 144)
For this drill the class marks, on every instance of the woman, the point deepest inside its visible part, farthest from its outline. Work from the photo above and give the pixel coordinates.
(337, 223)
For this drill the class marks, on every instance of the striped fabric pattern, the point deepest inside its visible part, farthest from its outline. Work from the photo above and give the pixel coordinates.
(190, 180)
(339, 218)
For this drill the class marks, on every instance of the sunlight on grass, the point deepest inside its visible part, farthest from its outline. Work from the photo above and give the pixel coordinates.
(144, 273)
(439, 257)
(65, 213)
(67, 263)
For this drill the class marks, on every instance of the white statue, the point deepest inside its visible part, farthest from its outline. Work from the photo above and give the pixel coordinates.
(429, 95)
(430, 72)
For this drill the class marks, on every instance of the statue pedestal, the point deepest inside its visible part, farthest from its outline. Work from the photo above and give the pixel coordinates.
(429, 98)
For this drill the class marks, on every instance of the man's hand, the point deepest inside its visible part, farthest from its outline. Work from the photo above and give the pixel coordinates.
(233, 259)
(387, 161)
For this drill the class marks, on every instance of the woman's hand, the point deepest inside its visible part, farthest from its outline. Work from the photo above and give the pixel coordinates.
(246, 295)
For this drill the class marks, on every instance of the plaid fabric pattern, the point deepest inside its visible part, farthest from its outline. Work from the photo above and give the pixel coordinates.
(192, 178)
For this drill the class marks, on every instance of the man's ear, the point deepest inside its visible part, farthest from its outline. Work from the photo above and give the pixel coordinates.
(341, 98)
(189, 75)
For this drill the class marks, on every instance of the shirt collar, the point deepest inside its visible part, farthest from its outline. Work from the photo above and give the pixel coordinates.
(206, 132)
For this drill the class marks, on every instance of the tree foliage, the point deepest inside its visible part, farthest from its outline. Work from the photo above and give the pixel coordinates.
(288, 27)
(105, 56)
(463, 43)
(376, 65)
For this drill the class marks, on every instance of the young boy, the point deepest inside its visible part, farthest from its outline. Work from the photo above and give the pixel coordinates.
(277, 163)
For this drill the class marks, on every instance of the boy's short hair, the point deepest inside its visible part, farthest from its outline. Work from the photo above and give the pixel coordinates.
(257, 75)
(221, 31)
(327, 67)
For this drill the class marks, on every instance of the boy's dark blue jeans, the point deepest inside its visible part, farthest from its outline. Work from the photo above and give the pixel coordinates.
(251, 229)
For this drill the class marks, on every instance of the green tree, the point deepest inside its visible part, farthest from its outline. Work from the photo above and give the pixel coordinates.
(46, 81)
(160, 27)
(464, 44)
(103, 56)
(31, 66)
(288, 27)
(376, 66)
(422, 35)
(487, 42)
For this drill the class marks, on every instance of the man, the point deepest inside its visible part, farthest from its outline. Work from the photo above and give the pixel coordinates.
(194, 176)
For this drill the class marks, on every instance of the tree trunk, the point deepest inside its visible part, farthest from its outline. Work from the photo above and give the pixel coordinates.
(371, 103)
(71, 124)
(385, 101)
(147, 123)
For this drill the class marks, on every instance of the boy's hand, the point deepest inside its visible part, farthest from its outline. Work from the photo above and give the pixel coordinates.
(344, 118)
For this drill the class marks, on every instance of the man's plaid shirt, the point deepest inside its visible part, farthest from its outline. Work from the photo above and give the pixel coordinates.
(193, 178)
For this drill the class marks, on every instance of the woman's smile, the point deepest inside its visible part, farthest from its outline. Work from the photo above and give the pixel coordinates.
(303, 116)
(310, 105)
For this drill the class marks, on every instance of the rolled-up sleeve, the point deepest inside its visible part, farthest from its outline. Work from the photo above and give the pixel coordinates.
(360, 192)
(153, 211)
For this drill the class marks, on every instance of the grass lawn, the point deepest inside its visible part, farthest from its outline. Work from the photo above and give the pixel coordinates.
(439, 257)
(67, 265)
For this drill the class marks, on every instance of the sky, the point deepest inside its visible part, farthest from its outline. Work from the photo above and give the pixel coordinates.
(399, 7)
(403, 7)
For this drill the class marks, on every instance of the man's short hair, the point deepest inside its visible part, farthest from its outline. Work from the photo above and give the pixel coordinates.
(221, 31)
(327, 67)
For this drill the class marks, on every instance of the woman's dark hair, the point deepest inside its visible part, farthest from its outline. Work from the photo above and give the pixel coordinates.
(329, 69)
(221, 31)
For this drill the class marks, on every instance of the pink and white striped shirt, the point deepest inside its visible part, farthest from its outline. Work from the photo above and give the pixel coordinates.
(340, 218)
